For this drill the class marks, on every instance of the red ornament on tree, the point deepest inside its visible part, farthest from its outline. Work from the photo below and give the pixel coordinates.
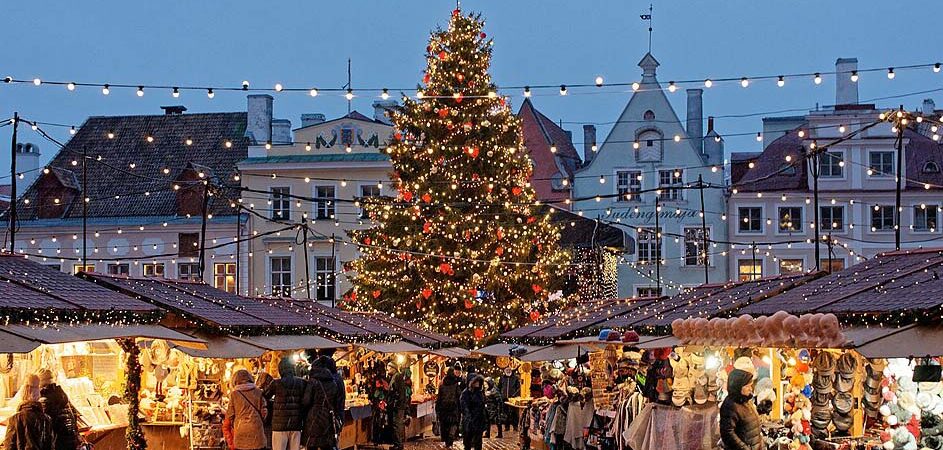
(445, 268)
(534, 316)
(443, 112)
(376, 293)
(426, 198)
(407, 196)
(472, 151)
(483, 35)
(461, 77)
(459, 97)
(499, 251)
(468, 304)
(426, 227)
(537, 288)
(367, 240)
(425, 78)
(442, 54)
(479, 333)
(398, 136)
(516, 190)
(426, 293)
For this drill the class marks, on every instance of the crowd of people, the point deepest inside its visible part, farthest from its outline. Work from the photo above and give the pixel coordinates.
(469, 404)
(45, 419)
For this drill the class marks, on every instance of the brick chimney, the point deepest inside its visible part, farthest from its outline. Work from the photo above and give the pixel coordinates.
(589, 141)
(846, 91)
(259, 111)
(695, 118)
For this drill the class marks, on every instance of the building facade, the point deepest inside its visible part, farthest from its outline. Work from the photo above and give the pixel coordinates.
(772, 197)
(143, 188)
(551, 149)
(312, 174)
(649, 156)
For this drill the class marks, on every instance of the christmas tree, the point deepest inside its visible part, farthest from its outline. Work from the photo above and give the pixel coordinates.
(465, 248)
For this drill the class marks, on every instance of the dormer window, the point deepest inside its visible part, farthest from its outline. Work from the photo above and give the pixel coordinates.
(931, 167)
(649, 115)
(651, 148)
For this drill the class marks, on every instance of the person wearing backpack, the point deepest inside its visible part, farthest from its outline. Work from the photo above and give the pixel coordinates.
(286, 395)
(448, 406)
(245, 417)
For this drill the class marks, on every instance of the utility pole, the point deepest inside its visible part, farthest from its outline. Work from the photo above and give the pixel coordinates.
(899, 163)
(657, 233)
(815, 202)
(206, 201)
(700, 186)
(829, 252)
(85, 200)
(753, 268)
(333, 269)
(12, 217)
(304, 230)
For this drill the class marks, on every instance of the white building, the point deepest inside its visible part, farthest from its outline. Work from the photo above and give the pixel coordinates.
(772, 197)
(650, 154)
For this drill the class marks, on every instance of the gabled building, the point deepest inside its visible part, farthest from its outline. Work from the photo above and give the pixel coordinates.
(648, 156)
(144, 196)
(772, 198)
(551, 149)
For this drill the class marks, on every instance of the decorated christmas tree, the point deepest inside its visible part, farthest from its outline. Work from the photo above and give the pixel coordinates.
(465, 248)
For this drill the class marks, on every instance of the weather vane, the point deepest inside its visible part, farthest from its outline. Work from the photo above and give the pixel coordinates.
(648, 17)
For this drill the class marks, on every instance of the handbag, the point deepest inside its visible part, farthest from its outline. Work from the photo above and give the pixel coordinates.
(337, 423)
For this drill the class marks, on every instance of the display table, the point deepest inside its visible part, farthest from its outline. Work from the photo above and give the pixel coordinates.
(421, 416)
(356, 429)
(163, 436)
(110, 437)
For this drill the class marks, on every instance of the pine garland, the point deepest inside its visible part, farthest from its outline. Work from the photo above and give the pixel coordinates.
(132, 390)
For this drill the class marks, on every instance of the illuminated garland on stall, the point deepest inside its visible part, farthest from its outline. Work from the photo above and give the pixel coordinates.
(132, 394)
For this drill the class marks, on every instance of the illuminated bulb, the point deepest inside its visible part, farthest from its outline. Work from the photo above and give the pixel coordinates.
(594, 148)
(781, 81)
(70, 86)
(210, 93)
(599, 81)
(759, 137)
(841, 128)
(788, 158)
(854, 76)
(562, 89)
(313, 92)
(278, 87)
(347, 149)
(672, 87)
(385, 94)
(492, 94)
(307, 147)
(343, 183)
(553, 148)
(72, 130)
(527, 91)
(744, 82)
(37, 81)
(228, 144)
(268, 145)
(189, 141)
(419, 94)
(890, 73)
(150, 139)
(602, 179)
(708, 83)
(245, 85)
(106, 90)
(636, 86)
(636, 145)
(817, 79)
(936, 68)
(801, 133)
(751, 164)
(677, 138)
(140, 91)
(175, 93)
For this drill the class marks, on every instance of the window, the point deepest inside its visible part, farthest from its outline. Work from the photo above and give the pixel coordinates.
(648, 291)
(188, 244)
(224, 276)
(749, 269)
(649, 149)
(790, 266)
(324, 276)
(188, 271)
(882, 218)
(368, 190)
(837, 264)
(649, 115)
(119, 269)
(931, 167)
(694, 245)
(324, 202)
(154, 270)
(832, 218)
(649, 245)
(830, 164)
(751, 219)
(628, 185)
(881, 164)
(790, 219)
(925, 217)
(669, 181)
(281, 203)
(347, 137)
(55, 266)
(280, 275)
(76, 268)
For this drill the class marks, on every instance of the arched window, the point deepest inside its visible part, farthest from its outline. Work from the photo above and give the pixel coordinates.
(931, 167)
(650, 146)
(649, 115)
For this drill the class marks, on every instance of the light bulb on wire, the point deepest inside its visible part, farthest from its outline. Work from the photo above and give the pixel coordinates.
(781, 81)
(527, 91)
(140, 92)
(70, 86)
(672, 87)
(210, 93)
(313, 92)
(385, 94)
(599, 81)
(175, 93)
(854, 76)
(890, 73)
(744, 82)
(817, 78)
(562, 89)
(350, 94)
(106, 90)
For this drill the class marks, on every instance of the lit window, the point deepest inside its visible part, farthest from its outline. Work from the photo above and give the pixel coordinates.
(648, 291)
(154, 269)
(790, 219)
(790, 266)
(749, 269)
(367, 191)
(224, 276)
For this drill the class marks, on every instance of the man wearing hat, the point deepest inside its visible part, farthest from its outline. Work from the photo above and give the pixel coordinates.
(739, 421)
(400, 397)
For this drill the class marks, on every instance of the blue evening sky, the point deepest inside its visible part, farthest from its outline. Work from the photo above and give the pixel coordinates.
(307, 43)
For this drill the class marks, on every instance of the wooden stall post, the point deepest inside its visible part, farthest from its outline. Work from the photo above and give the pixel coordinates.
(776, 376)
(857, 392)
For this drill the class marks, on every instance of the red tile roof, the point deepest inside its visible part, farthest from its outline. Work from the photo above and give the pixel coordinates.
(770, 170)
(539, 134)
(112, 176)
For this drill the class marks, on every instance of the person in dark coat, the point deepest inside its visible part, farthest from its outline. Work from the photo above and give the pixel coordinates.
(494, 407)
(29, 429)
(509, 386)
(321, 426)
(474, 417)
(286, 397)
(328, 361)
(448, 405)
(739, 421)
(58, 407)
(400, 397)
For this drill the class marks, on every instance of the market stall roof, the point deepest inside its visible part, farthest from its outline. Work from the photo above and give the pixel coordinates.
(411, 332)
(180, 301)
(893, 282)
(11, 343)
(909, 341)
(343, 323)
(560, 351)
(223, 347)
(709, 300)
(502, 349)
(281, 342)
(452, 352)
(28, 284)
(259, 308)
(580, 317)
(645, 341)
(393, 347)
(64, 333)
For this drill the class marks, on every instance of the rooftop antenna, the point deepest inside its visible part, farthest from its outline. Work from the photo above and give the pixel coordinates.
(648, 17)
(348, 86)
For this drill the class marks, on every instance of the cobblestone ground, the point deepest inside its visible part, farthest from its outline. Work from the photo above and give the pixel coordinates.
(510, 441)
